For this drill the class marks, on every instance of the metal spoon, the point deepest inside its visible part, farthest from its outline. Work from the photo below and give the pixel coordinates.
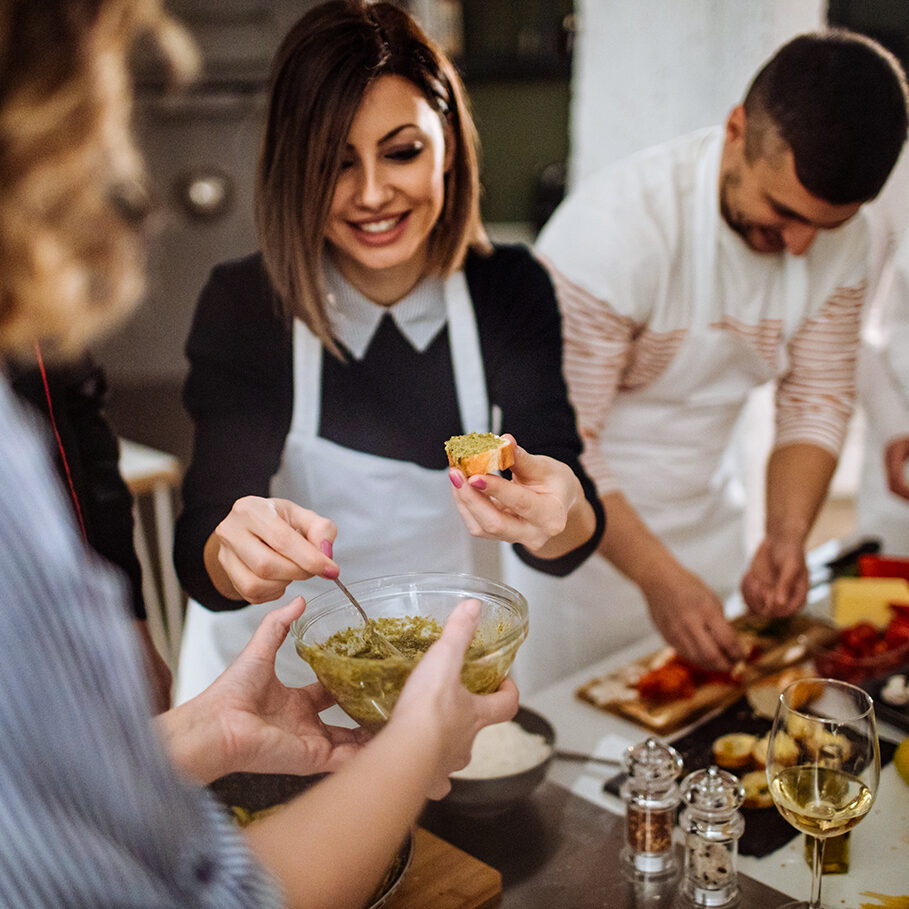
(376, 637)
(580, 756)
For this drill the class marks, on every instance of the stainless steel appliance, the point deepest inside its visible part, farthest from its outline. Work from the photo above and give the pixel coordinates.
(201, 147)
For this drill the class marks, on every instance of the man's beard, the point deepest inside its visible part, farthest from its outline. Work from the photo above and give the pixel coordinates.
(757, 238)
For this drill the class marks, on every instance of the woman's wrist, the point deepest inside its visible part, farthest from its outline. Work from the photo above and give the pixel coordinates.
(192, 739)
(216, 573)
(580, 525)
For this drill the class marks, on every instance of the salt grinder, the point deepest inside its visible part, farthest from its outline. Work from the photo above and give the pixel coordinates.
(651, 797)
(712, 825)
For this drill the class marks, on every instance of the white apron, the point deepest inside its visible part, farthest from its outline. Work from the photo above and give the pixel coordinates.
(881, 381)
(879, 512)
(392, 516)
(667, 445)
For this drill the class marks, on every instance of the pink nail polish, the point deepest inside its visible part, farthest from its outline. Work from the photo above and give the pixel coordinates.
(325, 546)
(477, 482)
(455, 478)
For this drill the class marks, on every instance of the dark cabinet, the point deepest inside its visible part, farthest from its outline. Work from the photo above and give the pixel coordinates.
(520, 39)
(887, 21)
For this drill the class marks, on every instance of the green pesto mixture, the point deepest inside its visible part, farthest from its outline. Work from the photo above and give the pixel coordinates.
(366, 682)
(459, 447)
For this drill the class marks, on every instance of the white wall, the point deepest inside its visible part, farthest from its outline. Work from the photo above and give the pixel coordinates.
(648, 70)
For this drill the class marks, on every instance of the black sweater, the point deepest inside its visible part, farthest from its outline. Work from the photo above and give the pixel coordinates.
(78, 392)
(239, 393)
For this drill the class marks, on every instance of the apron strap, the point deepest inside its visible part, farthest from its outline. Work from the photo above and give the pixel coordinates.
(795, 290)
(706, 221)
(706, 224)
(466, 357)
(307, 377)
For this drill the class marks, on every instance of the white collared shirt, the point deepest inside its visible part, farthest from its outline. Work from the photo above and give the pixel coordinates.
(354, 318)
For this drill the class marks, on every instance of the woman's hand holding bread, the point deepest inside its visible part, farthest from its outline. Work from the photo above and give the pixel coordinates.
(264, 544)
(542, 506)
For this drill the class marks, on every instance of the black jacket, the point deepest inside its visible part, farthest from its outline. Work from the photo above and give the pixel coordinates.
(78, 393)
(239, 393)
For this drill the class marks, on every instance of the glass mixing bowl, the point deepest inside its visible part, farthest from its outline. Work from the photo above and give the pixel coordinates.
(408, 608)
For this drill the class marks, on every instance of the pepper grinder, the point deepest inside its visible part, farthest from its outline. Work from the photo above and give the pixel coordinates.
(651, 797)
(712, 826)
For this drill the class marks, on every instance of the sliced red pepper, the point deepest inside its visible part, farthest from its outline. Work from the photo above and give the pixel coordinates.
(838, 663)
(860, 638)
(668, 682)
(896, 634)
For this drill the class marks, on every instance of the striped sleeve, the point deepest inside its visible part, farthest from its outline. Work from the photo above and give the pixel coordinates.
(816, 395)
(93, 814)
(605, 352)
(596, 349)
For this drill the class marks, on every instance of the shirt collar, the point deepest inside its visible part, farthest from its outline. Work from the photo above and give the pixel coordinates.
(354, 319)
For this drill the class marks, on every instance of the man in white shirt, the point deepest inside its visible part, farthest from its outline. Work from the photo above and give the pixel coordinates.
(690, 274)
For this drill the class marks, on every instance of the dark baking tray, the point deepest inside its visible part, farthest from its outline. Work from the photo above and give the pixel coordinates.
(896, 716)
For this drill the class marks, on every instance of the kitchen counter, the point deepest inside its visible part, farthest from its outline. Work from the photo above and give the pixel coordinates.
(879, 846)
(561, 847)
(557, 849)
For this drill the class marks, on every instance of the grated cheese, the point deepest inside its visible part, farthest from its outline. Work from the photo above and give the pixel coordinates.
(503, 749)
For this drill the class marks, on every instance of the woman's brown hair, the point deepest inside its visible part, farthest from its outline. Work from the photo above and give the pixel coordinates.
(71, 257)
(319, 76)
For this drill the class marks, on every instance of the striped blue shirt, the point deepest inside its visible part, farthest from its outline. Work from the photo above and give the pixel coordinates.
(91, 812)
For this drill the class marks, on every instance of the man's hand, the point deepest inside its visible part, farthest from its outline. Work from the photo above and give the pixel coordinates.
(248, 720)
(895, 456)
(690, 617)
(687, 612)
(776, 584)
(798, 477)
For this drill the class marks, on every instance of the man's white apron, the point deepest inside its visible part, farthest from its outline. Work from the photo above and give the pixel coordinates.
(667, 445)
(879, 512)
(392, 516)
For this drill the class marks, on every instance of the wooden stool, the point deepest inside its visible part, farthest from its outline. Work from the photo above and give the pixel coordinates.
(149, 472)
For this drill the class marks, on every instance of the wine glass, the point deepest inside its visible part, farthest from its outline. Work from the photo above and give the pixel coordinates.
(823, 763)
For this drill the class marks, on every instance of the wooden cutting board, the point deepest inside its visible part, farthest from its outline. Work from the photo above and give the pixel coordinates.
(441, 876)
(788, 644)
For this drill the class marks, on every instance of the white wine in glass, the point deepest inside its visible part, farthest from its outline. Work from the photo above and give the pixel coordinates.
(823, 763)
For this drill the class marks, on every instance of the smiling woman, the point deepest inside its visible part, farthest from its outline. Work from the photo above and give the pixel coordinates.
(325, 121)
(373, 249)
(390, 190)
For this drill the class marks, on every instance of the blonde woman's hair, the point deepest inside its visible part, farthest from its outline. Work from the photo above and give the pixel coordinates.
(71, 198)
(319, 76)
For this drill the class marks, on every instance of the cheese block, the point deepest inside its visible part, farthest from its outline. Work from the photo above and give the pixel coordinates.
(867, 599)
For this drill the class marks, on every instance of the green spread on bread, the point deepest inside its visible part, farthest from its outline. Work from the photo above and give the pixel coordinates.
(459, 447)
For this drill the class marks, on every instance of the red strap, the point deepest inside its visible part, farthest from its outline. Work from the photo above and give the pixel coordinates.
(53, 422)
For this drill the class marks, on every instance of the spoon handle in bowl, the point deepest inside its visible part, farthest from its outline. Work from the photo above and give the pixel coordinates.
(375, 635)
(564, 755)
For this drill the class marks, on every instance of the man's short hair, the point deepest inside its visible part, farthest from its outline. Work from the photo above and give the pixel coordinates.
(839, 101)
